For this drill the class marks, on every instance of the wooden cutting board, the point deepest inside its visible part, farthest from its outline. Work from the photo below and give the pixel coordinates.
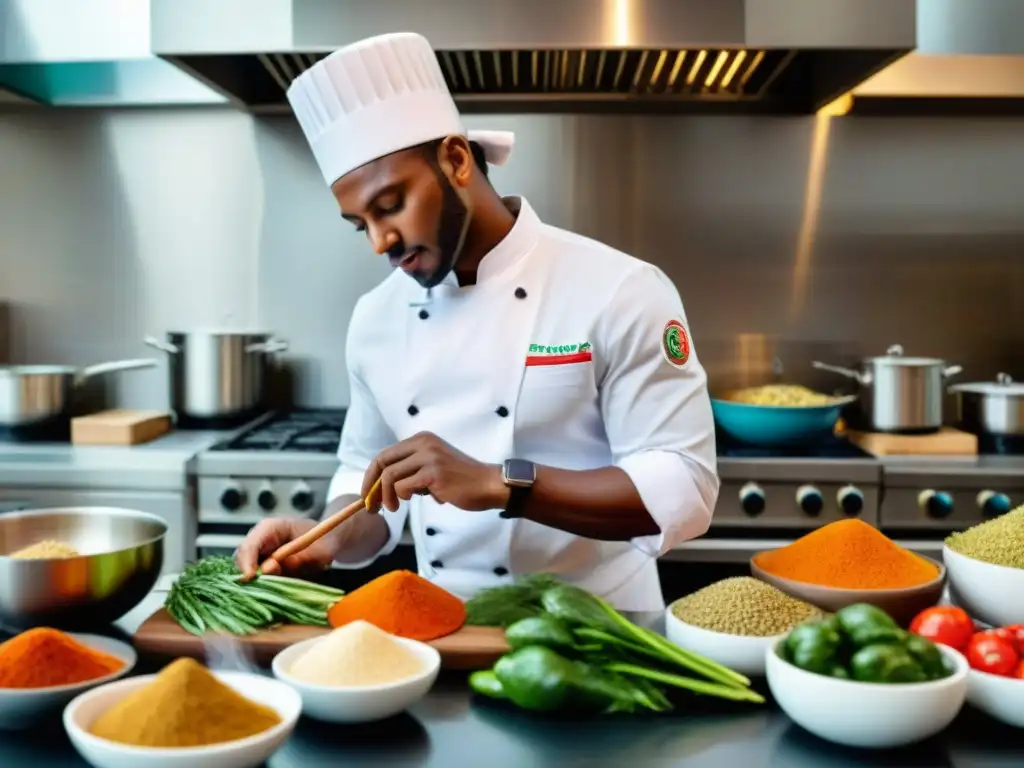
(945, 442)
(119, 427)
(468, 648)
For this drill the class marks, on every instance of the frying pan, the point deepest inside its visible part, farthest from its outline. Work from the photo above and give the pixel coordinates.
(35, 394)
(777, 425)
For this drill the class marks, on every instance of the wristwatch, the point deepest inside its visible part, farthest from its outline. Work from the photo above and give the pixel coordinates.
(518, 475)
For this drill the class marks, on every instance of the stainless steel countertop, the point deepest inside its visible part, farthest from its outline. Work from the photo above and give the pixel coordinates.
(162, 464)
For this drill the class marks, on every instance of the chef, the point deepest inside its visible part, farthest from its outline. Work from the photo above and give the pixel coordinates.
(530, 399)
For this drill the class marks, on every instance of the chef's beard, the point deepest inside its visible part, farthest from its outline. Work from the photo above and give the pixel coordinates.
(451, 233)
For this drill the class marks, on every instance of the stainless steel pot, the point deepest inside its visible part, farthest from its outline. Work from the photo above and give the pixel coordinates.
(898, 393)
(217, 374)
(33, 394)
(991, 407)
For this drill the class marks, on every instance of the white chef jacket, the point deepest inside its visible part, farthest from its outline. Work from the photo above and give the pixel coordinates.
(557, 355)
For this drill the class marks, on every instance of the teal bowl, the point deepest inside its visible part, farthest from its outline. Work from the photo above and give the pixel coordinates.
(777, 425)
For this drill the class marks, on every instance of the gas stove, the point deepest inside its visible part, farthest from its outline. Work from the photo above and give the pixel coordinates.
(281, 464)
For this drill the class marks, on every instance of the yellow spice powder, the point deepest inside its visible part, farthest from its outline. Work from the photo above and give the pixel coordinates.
(46, 550)
(357, 654)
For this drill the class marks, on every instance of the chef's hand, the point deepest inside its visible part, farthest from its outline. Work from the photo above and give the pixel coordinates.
(426, 464)
(264, 539)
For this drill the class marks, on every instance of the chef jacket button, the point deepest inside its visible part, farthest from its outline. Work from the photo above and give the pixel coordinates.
(501, 571)
(502, 411)
(424, 314)
(413, 410)
(435, 564)
(431, 531)
(520, 293)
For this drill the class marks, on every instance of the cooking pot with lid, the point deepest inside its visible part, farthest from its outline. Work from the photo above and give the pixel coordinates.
(217, 374)
(991, 407)
(898, 393)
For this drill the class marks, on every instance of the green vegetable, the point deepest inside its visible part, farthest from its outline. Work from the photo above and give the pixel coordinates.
(540, 630)
(865, 624)
(504, 606)
(928, 655)
(814, 646)
(579, 653)
(210, 596)
(486, 683)
(885, 663)
(576, 606)
(538, 678)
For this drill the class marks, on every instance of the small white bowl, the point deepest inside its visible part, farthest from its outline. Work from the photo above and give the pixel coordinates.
(241, 753)
(26, 707)
(1000, 697)
(870, 715)
(741, 653)
(992, 593)
(359, 704)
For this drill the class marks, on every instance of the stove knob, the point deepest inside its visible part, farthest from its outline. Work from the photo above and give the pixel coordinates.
(851, 500)
(752, 499)
(302, 497)
(810, 500)
(232, 498)
(935, 503)
(993, 504)
(266, 498)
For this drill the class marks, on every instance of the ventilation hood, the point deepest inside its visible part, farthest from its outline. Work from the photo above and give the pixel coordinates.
(761, 56)
(969, 59)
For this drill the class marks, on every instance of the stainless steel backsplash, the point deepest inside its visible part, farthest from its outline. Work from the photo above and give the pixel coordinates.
(788, 237)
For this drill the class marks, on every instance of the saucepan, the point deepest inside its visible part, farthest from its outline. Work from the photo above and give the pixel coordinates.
(898, 393)
(35, 394)
(991, 408)
(217, 374)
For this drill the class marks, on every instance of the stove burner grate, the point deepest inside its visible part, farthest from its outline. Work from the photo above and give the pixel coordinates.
(312, 431)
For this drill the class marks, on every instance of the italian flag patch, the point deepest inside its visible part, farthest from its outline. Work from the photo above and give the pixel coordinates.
(559, 354)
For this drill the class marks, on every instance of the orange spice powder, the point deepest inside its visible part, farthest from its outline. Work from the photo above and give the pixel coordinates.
(404, 604)
(848, 554)
(44, 657)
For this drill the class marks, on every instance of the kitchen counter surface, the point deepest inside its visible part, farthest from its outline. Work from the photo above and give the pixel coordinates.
(162, 464)
(451, 729)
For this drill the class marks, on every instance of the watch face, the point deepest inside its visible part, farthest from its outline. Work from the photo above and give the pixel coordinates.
(519, 472)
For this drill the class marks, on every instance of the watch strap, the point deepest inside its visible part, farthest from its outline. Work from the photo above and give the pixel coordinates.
(516, 502)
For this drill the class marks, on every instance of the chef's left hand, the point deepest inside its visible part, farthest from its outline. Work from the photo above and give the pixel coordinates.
(426, 464)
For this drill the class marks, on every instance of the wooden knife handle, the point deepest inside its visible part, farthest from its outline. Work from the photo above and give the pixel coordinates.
(321, 529)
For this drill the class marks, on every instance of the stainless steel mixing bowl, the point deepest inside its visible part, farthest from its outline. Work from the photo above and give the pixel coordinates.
(122, 555)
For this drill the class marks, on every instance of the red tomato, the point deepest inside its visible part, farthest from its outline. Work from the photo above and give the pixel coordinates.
(944, 624)
(1019, 672)
(988, 652)
(1016, 631)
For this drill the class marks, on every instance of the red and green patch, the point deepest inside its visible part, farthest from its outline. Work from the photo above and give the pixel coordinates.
(558, 354)
(675, 344)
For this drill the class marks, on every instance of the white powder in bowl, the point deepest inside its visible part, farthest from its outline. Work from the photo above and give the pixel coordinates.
(357, 654)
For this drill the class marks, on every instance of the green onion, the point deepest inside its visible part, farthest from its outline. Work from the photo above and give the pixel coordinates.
(211, 595)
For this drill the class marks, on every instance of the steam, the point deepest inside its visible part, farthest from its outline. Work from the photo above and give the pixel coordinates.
(224, 653)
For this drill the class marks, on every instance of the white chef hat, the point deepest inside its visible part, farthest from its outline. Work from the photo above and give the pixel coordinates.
(378, 96)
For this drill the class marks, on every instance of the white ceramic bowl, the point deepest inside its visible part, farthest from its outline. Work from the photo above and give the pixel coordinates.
(364, 703)
(992, 593)
(746, 655)
(1000, 697)
(241, 753)
(26, 707)
(871, 715)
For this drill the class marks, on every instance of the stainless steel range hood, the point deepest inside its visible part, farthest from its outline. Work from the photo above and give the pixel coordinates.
(767, 56)
(969, 59)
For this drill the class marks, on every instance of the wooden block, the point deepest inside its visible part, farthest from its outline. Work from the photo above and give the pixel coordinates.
(119, 427)
(945, 442)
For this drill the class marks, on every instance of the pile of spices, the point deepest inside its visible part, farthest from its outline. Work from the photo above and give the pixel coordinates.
(44, 658)
(744, 606)
(848, 554)
(404, 604)
(46, 550)
(358, 654)
(183, 706)
(999, 541)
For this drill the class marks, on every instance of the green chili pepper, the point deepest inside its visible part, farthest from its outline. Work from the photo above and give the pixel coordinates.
(865, 624)
(885, 663)
(486, 683)
(813, 646)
